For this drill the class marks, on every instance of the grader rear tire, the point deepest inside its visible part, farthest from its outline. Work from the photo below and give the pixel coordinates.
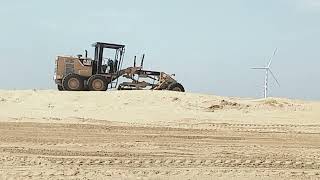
(97, 83)
(60, 88)
(73, 82)
(176, 87)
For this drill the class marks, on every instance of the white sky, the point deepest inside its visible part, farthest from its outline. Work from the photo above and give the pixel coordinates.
(211, 45)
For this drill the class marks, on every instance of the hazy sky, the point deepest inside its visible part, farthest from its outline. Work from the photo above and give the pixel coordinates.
(211, 45)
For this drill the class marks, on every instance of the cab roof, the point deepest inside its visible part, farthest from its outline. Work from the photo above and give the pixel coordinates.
(108, 45)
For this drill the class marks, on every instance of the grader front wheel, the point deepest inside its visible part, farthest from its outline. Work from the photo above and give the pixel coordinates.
(176, 87)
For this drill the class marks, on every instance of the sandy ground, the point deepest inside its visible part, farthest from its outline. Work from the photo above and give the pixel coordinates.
(156, 135)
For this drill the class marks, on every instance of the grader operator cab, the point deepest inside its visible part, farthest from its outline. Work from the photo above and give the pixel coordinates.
(98, 74)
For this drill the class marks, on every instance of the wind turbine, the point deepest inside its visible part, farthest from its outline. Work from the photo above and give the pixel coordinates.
(268, 70)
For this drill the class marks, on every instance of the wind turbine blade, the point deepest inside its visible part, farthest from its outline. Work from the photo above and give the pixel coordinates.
(259, 68)
(274, 53)
(274, 77)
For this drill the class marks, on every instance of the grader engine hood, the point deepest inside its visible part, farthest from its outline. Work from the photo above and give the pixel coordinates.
(72, 65)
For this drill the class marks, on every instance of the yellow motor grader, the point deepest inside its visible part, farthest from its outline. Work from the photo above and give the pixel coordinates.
(98, 74)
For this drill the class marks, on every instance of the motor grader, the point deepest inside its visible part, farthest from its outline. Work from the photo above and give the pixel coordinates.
(78, 73)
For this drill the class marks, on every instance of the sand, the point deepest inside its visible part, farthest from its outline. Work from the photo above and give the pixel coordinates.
(47, 134)
(151, 107)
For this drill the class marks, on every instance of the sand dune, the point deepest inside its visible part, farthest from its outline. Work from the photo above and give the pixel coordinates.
(156, 135)
(151, 107)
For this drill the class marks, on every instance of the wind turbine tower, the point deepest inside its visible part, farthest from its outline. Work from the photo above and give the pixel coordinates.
(267, 70)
